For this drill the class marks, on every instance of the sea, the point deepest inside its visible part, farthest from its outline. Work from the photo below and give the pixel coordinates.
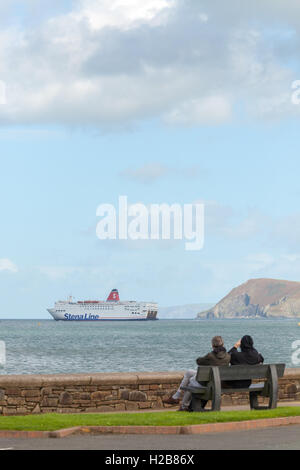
(49, 347)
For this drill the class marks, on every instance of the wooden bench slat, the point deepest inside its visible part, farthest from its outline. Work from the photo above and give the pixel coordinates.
(253, 388)
(242, 372)
(239, 372)
(195, 390)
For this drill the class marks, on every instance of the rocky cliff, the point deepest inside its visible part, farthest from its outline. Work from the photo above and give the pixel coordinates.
(264, 298)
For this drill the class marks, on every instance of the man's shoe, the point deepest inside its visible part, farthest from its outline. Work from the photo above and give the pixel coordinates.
(171, 401)
(183, 408)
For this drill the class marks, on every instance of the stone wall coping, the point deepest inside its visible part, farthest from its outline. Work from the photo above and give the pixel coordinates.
(114, 378)
(292, 372)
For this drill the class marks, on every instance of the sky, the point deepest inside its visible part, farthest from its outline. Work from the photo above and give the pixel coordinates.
(164, 101)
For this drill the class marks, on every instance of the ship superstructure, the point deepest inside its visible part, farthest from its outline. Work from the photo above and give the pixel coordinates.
(97, 310)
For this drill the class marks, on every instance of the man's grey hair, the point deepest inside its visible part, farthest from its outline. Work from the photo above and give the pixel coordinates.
(217, 341)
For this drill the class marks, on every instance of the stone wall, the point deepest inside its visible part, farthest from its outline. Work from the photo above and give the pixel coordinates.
(86, 393)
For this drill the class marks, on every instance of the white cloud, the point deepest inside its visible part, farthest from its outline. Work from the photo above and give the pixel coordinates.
(258, 262)
(153, 171)
(147, 173)
(285, 232)
(8, 265)
(224, 221)
(55, 273)
(208, 110)
(279, 266)
(111, 63)
(248, 225)
(119, 13)
(231, 272)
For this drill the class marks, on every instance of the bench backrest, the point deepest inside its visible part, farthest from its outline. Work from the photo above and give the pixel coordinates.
(240, 372)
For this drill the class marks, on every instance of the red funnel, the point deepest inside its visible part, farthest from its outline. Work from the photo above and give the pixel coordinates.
(113, 296)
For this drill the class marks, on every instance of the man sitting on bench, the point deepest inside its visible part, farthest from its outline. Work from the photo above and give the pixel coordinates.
(217, 357)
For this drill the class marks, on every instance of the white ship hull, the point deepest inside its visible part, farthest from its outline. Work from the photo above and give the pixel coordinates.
(100, 311)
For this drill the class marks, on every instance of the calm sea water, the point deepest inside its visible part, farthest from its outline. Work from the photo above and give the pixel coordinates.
(46, 346)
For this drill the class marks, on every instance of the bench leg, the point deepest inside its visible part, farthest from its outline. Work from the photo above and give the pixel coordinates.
(215, 393)
(254, 402)
(271, 388)
(196, 404)
(216, 390)
(253, 396)
(216, 404)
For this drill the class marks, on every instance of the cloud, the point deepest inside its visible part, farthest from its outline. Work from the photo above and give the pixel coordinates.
(8, 265)
(278, 266)
(228, 273)
(249, 225)
(285, 232)
(153, 171)
(119, 13)
(56, 273)
(222, 220)
(147, 173)
(113, 63)
(280, 233)
(259, 262)
(210, 110)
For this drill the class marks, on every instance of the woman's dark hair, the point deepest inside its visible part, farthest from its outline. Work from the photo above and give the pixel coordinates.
(246, 343)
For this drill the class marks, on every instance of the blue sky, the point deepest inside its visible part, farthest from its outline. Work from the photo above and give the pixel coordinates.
(106, 100)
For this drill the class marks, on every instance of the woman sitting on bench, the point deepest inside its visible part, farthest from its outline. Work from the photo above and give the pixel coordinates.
(248, 355)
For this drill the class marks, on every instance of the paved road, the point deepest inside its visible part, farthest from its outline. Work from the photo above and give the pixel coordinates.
(281, 438)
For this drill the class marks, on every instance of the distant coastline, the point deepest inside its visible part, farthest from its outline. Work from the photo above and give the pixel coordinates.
(182, 312)
(258, 299)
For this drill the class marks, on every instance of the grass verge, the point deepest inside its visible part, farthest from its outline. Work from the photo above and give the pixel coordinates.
(54, 421)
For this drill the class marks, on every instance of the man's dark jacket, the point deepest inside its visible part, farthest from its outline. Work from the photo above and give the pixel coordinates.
(217, 357)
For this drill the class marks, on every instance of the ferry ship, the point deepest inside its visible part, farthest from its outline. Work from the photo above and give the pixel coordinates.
(111, 309)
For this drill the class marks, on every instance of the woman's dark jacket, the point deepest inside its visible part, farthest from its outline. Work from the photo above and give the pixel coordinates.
(248, 355)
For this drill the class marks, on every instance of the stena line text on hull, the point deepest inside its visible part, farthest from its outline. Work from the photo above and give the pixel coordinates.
(109, 310)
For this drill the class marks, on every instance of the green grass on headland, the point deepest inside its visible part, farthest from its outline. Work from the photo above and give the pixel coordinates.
(54, 421)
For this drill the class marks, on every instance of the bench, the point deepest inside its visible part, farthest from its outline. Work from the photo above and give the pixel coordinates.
(211, 380)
